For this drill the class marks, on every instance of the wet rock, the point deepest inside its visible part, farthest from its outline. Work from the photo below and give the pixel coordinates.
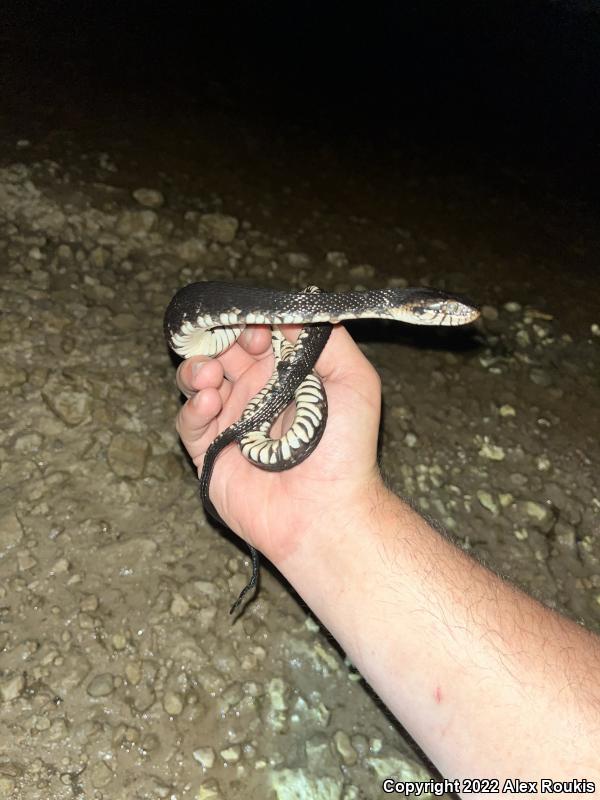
(136, 223)
(11, 376)
(512, 307)
(25, 561)
(397, 282)
(298, 260)
(150, 198)
(491, 451)
(165, 467)
(362, 272)
(71, 406)
(523, 339)
(205, 756)
(88, 603)
(101, 686)
(127, 454)
(11, 531)
(100, 775)
(401, 769)
(144, 699)
(231, 754)
(179, 606)
(173, 703)
(541, 377)
(539, 515)
(191, 250)
(565, 536)
(489, 313)
(134, 672)
(337, 259)
(487, 501)
(28, 443)
(290, 784)
(543, 463)
(219, 227)
(125, 322)
(344, 747)
(7, 785)
(12, 685)
(209, 790)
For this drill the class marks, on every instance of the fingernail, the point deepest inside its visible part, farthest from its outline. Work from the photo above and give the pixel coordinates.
(197, 367)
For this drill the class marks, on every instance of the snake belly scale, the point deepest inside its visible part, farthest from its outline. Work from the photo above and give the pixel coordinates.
(206, 318)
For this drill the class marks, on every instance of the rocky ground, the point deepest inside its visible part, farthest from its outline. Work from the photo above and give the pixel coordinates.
(121, 673)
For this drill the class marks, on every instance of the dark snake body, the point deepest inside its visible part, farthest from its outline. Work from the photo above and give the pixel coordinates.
(206, 318)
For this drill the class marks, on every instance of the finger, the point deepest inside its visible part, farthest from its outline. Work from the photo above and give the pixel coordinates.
(197, 422)
(253, 345)
(198, 373)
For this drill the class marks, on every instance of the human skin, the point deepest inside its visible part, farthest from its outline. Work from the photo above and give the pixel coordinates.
(489, 682)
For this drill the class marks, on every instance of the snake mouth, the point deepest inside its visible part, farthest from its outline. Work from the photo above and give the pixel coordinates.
(440, 311)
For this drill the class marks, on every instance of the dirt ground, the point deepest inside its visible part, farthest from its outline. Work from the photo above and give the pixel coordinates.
(121, 673)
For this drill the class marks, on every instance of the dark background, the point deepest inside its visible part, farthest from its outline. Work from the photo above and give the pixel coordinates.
(503, 75)
(473, 122)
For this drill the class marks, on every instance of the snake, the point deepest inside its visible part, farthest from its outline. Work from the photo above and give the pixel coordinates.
(207, 317)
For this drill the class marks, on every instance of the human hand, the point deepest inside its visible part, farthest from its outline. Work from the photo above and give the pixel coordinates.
(272, 510)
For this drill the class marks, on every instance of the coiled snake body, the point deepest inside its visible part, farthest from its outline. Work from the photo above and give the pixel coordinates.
(206, 318)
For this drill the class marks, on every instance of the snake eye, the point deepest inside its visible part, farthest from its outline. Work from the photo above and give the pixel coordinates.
(419, 311)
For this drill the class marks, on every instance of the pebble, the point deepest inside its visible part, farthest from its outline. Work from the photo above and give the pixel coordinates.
(150, 198)
(507, 410)
(173, 703)
(205, 756)
(487, 501)
(337, 259)
(134, 672)
(298, 260)
(489, 313)
(209, 790)
(70, 406)
(231, 754)
(101, 686)
(565, 536)
(512, 307)
(88, 603)
(7, 786)
(397, 283)
(535, 510)
(219, 228)
(541, 377)
(12, 685)
(191, 250)
(25, 561)
(127, 454)
(361, 271)
(136, 223)
(100, 775)
(11, 376)
(28, 443)
(523, 339)
(11, 531)
(492, 452)
(543, 463)
(179, 605)
(344, 747)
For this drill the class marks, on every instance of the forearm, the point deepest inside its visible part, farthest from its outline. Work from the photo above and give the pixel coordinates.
(488, 681)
